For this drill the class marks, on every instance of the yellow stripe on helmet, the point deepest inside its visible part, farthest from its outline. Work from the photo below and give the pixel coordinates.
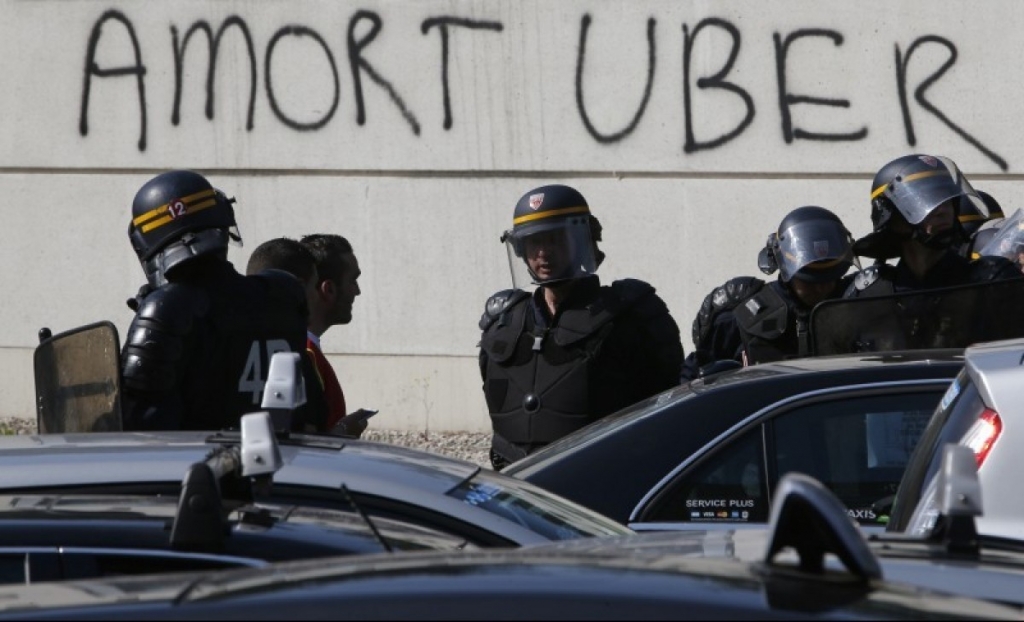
(191, 209)
(158, 211)
(583, 209)
(909, 178)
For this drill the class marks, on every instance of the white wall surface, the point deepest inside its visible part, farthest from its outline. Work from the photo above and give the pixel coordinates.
(688, 179)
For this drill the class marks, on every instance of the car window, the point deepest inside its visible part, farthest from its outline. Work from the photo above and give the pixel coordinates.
(90, 565)
(534, 508)
(856, 446)
(727, 486)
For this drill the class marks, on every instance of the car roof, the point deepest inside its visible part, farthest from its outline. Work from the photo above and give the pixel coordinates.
(417, 478)
(597, 582)
(833, 363)
(994, 575)
(161, 456)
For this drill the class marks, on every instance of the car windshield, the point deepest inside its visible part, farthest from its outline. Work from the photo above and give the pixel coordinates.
(537, 510)
(958, 410)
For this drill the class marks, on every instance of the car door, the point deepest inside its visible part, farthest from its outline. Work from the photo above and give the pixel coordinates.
(855, 440)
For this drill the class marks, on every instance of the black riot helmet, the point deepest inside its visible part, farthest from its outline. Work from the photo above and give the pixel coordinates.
(552, 236)
(176, 217)
(811, 244)
(907, 190)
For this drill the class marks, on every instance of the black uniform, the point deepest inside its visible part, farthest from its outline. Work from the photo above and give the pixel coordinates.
(750, 321)
(545, 377)
(198, 350)
(950, 271)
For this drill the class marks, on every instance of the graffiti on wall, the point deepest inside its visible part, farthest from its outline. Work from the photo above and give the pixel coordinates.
(364, 27)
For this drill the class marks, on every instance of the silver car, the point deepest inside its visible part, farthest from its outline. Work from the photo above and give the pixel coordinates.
(983, 409)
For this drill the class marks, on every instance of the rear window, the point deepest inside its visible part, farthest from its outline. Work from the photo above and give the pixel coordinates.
(539, 511)
(958, 410)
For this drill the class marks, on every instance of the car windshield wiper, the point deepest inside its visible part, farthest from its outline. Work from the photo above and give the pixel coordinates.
(366, 517)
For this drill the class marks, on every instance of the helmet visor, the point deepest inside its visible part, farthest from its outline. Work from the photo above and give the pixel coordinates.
(816, 250)
(922, 186)
(547, 253)
(1008, 241)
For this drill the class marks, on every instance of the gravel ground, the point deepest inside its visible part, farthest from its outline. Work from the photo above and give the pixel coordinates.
(471, 446)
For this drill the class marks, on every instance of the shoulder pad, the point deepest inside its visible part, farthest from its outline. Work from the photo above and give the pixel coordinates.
(174, 306)
(631, 290)
(764, 314)
(725, 297)
(639, 298)
(499, 303)
(863, 279)
(280, 284)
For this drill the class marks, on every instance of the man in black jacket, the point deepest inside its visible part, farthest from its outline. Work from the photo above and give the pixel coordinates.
(198, 351)
(573, 350)
(749, 321)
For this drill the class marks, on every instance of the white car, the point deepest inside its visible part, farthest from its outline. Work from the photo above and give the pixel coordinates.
(980, 410)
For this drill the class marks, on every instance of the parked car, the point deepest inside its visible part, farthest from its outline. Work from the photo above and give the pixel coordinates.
(216, 520)
(606, 578)
(952, 557)
(983, 409)
(434, 491)
(709, 454)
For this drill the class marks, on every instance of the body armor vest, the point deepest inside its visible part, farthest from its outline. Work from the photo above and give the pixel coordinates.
(203, 348)
(542, 383)
(771, 328)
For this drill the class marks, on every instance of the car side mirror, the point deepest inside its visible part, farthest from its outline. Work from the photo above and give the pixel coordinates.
(808, 517)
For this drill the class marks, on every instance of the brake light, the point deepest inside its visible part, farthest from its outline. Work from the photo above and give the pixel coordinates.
(983, 435)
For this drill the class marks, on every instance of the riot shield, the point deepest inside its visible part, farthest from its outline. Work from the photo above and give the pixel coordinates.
(951, 317)
(78, 380)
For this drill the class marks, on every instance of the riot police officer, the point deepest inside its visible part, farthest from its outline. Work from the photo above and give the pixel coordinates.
(915, 206)
(198, 351)
(573, 350)
(750, 321)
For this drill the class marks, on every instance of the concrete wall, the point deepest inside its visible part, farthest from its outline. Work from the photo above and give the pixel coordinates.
(412, 127)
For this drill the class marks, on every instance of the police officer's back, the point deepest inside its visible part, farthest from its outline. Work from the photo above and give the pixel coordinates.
(198, 350)
(750, 321)
(574, 350)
